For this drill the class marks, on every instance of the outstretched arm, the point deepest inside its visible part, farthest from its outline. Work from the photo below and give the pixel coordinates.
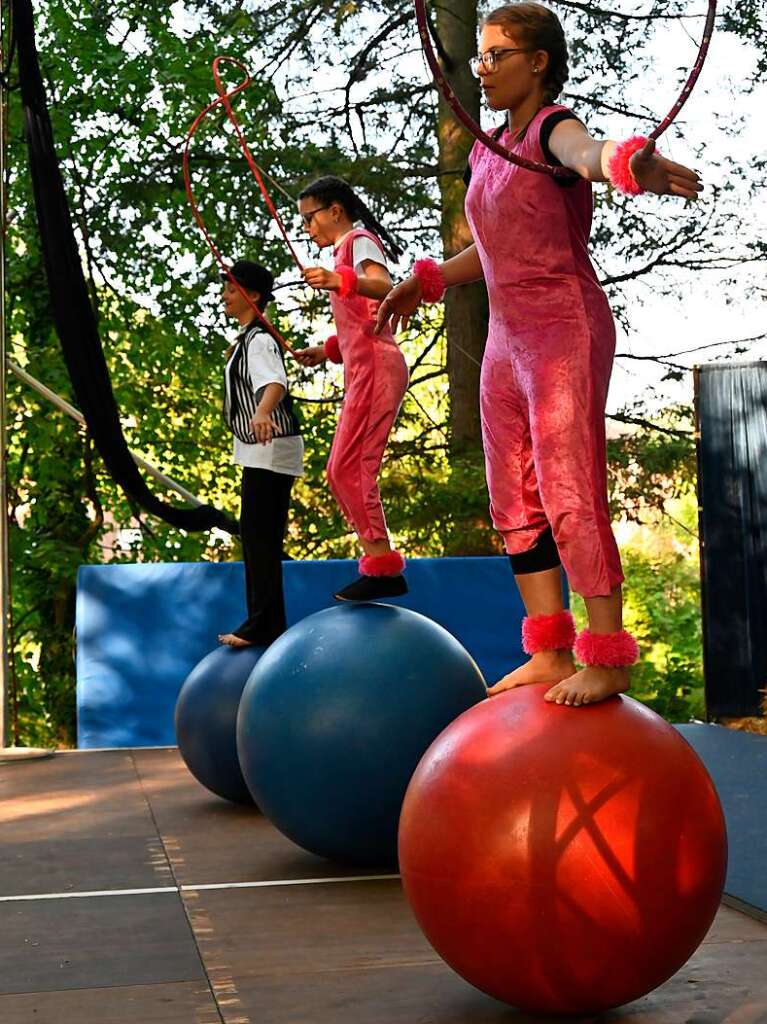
(402, 301)
(571, 143)
(463, 268)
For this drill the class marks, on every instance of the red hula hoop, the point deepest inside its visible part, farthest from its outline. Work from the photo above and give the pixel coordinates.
(471, 125)
(224, 99)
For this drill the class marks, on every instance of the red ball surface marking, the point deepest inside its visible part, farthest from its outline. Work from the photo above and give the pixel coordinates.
(562, 860)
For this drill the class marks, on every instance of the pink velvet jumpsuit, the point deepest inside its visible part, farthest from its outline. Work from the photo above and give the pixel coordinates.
(375, 381)
(547, 363)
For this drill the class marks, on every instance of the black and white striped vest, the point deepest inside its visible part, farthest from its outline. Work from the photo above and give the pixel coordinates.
(241, 399)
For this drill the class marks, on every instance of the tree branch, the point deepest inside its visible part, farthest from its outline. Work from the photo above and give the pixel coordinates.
(356, 72)
(640, 421)
(601, 12)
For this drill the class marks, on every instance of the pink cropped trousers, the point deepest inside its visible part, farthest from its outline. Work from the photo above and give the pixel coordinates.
(547, 363)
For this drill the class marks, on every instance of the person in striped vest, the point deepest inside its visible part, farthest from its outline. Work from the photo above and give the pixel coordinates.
(267, 445)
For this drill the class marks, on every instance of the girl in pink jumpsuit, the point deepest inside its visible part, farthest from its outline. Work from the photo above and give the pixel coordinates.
(549, 351)
(375, 373)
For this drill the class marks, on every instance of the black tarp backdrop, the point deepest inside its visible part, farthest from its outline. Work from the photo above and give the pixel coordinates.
(731, 412)
(72, 312)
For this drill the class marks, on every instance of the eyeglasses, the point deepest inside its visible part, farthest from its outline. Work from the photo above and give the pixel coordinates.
(306, 218)
(490, 60)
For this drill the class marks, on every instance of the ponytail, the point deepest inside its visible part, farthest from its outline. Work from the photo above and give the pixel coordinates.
(329, 189)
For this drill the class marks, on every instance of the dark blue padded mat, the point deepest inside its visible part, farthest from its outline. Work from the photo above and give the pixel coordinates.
(141, 628)
(737, 762)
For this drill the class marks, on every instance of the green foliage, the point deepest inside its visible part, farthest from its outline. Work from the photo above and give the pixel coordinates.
(662, 609)
(650, 464)
(336, 91)
(663, 612)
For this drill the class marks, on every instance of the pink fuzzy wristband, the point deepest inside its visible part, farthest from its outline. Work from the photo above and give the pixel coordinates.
(348, 285)
(431, 278)
(618, 169)
(332, 349)
(613, 650)
(548, 632)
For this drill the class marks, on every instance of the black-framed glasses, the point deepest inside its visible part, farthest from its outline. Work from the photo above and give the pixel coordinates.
(306, 218)
(492, 58)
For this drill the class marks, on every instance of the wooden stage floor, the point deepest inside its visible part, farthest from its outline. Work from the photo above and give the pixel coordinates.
(120, 903)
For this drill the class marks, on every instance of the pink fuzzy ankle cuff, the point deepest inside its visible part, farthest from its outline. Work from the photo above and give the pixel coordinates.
(390, 564)
(618, 169)
(431, 278)
(548, 632)
(613, 650)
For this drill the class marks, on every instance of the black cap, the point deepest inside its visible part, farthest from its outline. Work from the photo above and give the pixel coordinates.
(252, 276)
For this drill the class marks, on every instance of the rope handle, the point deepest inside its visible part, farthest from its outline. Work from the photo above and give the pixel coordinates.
(223, 99)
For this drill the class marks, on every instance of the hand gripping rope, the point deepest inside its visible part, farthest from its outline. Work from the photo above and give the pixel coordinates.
(224, 99)
(460, 112)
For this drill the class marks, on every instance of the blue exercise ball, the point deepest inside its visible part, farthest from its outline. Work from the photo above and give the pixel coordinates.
(206, 719)
(336, 716)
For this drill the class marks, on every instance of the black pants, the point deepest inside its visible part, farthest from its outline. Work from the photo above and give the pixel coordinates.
(265, 499)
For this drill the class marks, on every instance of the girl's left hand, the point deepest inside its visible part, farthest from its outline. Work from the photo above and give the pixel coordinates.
(318, 277)
(262, 426)
(663, 177)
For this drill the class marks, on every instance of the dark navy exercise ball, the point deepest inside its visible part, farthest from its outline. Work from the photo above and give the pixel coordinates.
(336, 716)
(206, 719)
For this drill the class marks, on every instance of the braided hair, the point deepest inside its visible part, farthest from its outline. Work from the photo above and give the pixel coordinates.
(540, 29)
(329, 189)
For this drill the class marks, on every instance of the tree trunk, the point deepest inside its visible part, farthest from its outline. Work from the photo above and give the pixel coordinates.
(465, 306)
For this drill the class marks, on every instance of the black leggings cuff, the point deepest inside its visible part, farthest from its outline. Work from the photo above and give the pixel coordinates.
(543, 555)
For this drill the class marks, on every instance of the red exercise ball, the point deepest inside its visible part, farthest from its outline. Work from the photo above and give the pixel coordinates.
(563, 860)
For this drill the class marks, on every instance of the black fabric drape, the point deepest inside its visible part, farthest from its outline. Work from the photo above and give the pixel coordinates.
(731, 403)
(72, 312)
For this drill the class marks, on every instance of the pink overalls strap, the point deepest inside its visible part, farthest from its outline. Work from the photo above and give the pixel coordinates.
(355, 316)
(530, 229)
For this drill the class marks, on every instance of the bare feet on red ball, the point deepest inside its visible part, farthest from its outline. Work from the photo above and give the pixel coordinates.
(591, 684)
(232, 640)
(543, 667)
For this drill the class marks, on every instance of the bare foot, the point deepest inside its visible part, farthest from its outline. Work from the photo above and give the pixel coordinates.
(544, 667)
(591, 684)
(233, 641)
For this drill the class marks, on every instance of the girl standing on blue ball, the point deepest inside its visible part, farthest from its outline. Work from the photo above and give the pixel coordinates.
(267, 445)
(375, 372)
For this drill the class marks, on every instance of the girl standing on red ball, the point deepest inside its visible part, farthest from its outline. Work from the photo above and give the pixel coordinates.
(375, 372)
(549, 351)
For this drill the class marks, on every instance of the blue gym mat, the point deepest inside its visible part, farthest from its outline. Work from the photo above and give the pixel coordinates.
(142, 628)
(737, 762)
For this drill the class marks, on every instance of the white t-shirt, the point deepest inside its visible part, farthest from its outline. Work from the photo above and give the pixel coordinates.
(364, 248)
(281, 454)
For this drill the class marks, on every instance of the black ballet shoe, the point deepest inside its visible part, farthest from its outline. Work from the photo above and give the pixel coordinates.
(373, 588)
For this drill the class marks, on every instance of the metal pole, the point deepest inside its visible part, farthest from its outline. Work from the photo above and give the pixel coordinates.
(7, 753)
(61, 403)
